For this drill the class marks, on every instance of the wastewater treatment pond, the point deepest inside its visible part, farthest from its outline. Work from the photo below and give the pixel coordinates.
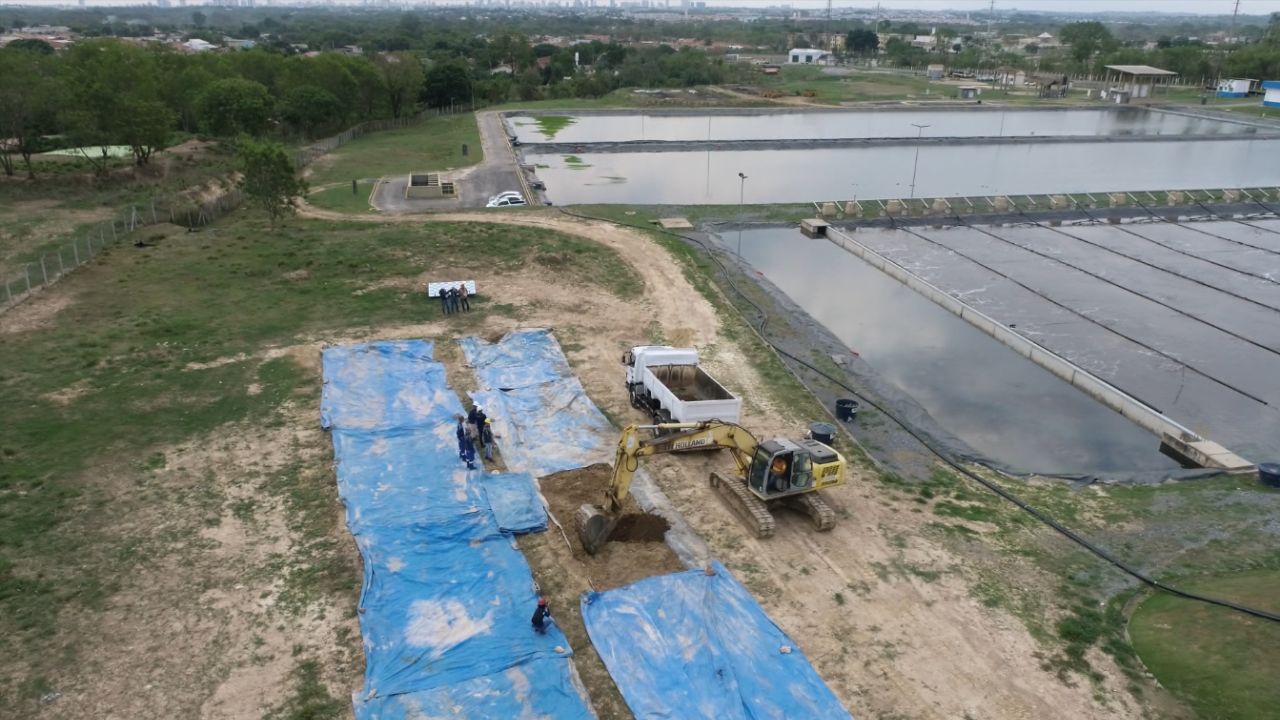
(941, 169)
(1184, 317)
(826, 125)
(998, 403)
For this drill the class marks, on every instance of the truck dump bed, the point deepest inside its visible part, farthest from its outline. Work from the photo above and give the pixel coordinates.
(690, 383)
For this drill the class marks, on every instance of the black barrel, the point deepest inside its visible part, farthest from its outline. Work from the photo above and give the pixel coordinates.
(822, 432)
(1269, 474)
(846, 410)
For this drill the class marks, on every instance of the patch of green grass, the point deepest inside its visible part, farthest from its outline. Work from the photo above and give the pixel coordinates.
(434, 145)
(1220, 662)
(311, 699)
(550, 125)
(341, 198)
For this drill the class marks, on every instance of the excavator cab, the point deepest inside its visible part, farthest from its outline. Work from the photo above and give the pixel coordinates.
(790, 467)
(780, 468)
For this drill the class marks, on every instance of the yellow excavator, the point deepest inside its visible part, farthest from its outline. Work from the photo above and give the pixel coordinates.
(770, 473)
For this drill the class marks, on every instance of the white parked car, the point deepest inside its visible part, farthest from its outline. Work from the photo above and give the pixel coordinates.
(507, 194)
(507, 201)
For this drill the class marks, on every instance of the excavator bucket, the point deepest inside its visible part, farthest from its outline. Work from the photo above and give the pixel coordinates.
(594, 527)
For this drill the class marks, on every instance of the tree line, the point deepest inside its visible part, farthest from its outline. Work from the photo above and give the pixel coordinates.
(107, 91)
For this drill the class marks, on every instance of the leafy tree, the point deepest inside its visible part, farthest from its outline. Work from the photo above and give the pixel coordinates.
(269, 178)
(28, 104)
(1254, 61)
(402, 77)
(862, 41)
(198, 19)
(447, 83)
(31, 44)
(115, 99)
(1272, 33)
(310, 110)
(233, 106)
(1087, 39)
(371, 88)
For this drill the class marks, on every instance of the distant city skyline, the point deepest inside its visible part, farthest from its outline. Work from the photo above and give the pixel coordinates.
(1164, 7)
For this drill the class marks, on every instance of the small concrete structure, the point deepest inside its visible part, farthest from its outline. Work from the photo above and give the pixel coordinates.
(935, 71)
(968, 92)
(1235, 87)
(814, 227)
(1175, 197)
(1271, 93)
(828, 209)
(940, 207)
(853, 208)
(1204, 453)
(808, 56)
(429, 185)
(1230, 196)
(678, 223)
(1059, 202)
(1139, 81)
(1118, 199)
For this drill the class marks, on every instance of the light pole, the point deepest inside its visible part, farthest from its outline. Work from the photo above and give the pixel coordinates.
(915, 165)
(742, 189)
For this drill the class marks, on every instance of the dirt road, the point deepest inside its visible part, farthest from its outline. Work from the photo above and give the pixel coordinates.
(885, 613)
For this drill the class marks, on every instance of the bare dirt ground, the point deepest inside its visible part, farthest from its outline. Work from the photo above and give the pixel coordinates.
(636, 550)
(210, 626)
(885, 614)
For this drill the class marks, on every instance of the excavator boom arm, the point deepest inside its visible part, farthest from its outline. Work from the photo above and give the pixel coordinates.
(678, 437)
(594, 526)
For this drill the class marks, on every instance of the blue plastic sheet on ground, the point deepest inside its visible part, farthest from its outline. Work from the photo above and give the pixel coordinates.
(692, 645)
(543, 420)
(516, 502)
(447, 596)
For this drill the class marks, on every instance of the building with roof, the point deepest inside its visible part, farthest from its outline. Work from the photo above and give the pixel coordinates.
(1136, 81)
(808, 56)
(1271, 93)
(1236, 87)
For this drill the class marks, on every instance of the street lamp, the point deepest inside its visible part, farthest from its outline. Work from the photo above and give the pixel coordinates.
(915, 165)
(742, 189)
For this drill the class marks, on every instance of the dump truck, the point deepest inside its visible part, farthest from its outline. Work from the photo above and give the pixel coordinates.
(669, 384)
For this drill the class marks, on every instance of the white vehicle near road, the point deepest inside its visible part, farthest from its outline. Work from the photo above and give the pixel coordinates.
(506, 200)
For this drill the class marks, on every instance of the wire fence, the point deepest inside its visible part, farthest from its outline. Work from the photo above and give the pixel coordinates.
(54, 263)
(183, 209)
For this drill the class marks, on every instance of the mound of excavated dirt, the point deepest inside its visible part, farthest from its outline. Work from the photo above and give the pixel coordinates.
(636, 550)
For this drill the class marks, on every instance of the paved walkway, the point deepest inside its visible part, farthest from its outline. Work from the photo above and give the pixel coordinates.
(498, 172)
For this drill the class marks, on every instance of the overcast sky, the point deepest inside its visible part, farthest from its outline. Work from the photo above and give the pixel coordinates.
(1199, 7)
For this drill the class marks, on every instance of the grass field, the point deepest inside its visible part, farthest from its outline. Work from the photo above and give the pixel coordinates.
(1221, 662)
(434, 145)
(341, 198)
(66, 200)
(163, 345)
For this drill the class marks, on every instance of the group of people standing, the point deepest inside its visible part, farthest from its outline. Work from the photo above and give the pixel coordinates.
(454, 299)
(475, 433)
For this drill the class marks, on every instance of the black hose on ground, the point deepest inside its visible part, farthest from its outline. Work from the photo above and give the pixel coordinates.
(941, 455)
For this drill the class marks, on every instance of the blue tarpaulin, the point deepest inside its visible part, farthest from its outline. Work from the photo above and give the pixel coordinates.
(447, 595)
(693, 645)
(543, 420)
(516, 502)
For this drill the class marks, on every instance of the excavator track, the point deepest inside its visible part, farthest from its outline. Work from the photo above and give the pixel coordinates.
(813, 505)
(751, 509)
